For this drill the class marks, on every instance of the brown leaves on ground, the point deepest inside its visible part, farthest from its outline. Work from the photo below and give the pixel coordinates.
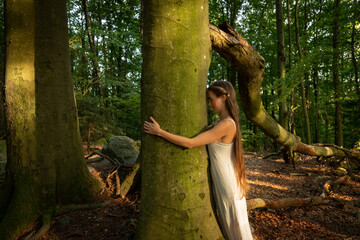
(271, 179)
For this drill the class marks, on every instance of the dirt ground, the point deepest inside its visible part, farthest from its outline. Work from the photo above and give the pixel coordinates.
(268, 178)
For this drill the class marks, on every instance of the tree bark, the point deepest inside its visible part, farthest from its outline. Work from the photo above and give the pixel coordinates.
(302, 86)
(2, 83)
(316, 100)
(250, 66)
(175, 194)
(281, 62)
(45, 164)
(2, 94)
(337, 91)
(292, 108)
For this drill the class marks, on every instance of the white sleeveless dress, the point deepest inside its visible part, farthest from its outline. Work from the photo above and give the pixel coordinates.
(232, 210)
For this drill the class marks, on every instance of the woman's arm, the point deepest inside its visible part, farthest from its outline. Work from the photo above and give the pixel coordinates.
(211, 135)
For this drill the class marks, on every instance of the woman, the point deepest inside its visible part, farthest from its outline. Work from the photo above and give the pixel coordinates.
(226, 159)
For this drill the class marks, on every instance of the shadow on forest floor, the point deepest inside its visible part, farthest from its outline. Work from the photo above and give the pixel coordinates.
(270, 179)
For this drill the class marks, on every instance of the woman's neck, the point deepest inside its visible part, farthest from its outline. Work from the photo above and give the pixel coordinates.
(224, 115)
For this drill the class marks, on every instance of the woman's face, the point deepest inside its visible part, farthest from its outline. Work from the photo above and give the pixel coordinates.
(216, 103)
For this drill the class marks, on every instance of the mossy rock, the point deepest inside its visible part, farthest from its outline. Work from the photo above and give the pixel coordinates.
(101, 141)
(122, 148)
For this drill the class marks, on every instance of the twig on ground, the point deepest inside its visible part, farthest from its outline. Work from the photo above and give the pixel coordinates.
(329, 183)
(273, 154)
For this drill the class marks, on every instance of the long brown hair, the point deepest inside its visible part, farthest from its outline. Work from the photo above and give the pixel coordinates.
(220, 88)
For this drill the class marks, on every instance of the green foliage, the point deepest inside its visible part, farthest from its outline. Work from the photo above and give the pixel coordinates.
(110, 105)
(256, 22)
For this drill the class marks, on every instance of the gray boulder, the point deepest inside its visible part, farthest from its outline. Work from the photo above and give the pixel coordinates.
(121, 148)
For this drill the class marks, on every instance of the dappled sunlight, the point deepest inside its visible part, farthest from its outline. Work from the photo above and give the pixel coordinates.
(267, 184)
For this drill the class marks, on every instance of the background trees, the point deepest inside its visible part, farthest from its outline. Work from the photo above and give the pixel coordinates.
(112, 97)
(109, 101)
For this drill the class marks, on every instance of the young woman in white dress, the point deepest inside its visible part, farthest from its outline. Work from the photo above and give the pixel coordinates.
(223, 139)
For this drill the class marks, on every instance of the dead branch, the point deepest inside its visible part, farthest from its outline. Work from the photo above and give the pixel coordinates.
(96, 160)
(131, 180)
(284, 202)
(296, 202)
(329, 184)
(273, 154)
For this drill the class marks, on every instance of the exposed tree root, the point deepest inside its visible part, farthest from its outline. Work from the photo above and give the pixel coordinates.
(46, 217)
(131, 181)
(120, 189)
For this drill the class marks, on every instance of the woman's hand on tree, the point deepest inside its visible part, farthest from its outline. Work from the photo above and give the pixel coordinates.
(152, 127)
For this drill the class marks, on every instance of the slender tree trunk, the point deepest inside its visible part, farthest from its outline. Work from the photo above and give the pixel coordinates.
(93, 50)
(45, 164)
(84, 72)
(103, 90)
(293, 103)
(281, 63)
(327, 124)
(353, 57)
(302, 86)
(316, 100)
(175, 194)
(337, 91)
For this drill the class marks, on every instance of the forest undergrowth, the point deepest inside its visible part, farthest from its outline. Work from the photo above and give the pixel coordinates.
(268, 178)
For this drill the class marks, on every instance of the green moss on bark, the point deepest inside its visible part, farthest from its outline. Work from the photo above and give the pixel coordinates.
(175, 195)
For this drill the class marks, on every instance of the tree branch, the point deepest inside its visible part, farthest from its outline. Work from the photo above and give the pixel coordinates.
(250, 66)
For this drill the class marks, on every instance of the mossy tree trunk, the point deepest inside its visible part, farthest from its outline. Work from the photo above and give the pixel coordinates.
(2, 80)
(45, 165)
(250, 66)
(175, 194)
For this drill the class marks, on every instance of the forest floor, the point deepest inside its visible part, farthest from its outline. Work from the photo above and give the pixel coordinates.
(268, 178)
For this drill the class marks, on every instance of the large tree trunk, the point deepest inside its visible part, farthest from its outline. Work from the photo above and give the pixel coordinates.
(302, 85)
(250, 66)
(337, 91)
(281, 62)
(45, 165)
(2, 82)
(2, 94)
(175, 194)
